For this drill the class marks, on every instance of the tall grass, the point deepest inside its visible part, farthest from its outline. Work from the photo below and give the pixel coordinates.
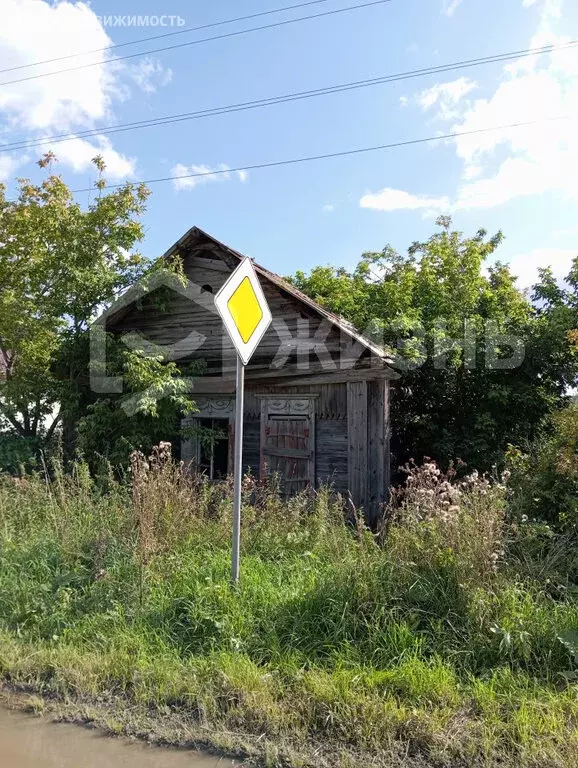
(433, 636)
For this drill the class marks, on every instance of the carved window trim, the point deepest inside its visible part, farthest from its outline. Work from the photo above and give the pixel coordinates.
(288, 405)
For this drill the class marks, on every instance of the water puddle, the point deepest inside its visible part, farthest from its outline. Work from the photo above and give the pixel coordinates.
(29, 742)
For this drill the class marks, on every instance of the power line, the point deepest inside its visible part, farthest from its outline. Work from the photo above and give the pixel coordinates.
(344, 153)
(165, 34)
(296, 96)
(201, 40)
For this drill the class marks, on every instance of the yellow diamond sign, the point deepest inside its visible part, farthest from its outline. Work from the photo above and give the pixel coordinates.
(243, 309)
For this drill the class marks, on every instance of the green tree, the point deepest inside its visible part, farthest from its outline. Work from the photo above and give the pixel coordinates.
(60, 266)
(544, 475)
(444, 315)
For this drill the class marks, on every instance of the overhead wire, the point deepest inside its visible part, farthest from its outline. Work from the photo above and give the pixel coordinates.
(284, 98)
(330, 155)
(224, 36)
(186, 30)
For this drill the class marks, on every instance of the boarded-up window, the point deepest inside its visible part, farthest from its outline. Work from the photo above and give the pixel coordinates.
(288, 441)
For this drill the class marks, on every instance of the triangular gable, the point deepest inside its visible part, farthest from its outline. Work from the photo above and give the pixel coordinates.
(196, 238)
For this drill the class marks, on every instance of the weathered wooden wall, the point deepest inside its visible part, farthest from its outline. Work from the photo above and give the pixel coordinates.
(179, 321)
(368, 444)
(330, 427)
(331, 431)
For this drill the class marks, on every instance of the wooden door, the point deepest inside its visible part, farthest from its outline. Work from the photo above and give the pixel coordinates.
(288, 443)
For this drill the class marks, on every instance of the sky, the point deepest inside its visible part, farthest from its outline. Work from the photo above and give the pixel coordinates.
(523, 181)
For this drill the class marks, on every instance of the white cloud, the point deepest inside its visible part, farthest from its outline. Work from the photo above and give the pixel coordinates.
(34, 30)
(389, 199)
(541, 157)
(525, 266)
(472, 172)
(9, 164)
(446, 94)
(328, 208)
(39, 30)
(78, 154)
(220, 172)
(149, 74)
(445, 97)
(450, 7)
(501, 165)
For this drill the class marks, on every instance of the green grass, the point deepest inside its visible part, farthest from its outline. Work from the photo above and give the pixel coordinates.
(332, 650)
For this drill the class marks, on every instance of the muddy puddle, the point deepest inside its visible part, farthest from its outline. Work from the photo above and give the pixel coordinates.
(30, 742)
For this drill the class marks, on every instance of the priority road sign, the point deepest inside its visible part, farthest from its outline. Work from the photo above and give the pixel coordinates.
(243, 309)
(246, 316)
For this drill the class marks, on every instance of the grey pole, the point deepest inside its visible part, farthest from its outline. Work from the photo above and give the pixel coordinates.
(239, 404)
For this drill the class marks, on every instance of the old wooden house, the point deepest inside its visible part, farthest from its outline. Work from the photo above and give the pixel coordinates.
(317, 392)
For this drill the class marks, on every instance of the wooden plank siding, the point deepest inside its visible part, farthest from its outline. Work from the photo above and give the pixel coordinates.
(251, 445)
(368, 450)
(332, 454)
(177, 321)
(330, 399)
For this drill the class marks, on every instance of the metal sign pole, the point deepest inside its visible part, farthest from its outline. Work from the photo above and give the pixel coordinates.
(246, 316)
(239, 405)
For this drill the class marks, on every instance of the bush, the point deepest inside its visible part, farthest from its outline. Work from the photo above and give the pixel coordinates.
(17, 453)
(441, 517)
(544, 479)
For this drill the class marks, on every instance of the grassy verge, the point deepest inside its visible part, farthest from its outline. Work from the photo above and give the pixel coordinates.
(439, 645)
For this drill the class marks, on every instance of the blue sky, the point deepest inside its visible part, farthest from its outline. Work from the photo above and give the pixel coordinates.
(524, 182)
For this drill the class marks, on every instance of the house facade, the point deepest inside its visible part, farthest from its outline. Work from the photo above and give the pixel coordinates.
(316, 391)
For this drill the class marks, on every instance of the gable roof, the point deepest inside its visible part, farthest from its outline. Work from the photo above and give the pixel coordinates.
(196, 236)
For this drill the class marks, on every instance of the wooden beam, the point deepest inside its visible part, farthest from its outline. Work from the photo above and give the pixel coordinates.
(212, 264)
(387, 422)
(297, 378)
(292, 453)
(212, 385)
(357, 422)
(289, 378)
(379, 458)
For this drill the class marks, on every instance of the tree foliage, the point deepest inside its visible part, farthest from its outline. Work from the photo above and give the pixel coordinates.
(146, 413)
(60, 266)
(455, 325)
(544, 475)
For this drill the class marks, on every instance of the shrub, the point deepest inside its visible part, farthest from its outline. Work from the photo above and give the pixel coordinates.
(544, 478)
(442, 517)
(17, 453)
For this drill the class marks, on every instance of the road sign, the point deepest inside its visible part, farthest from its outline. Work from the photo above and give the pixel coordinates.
(244, 310)
(246, 316)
